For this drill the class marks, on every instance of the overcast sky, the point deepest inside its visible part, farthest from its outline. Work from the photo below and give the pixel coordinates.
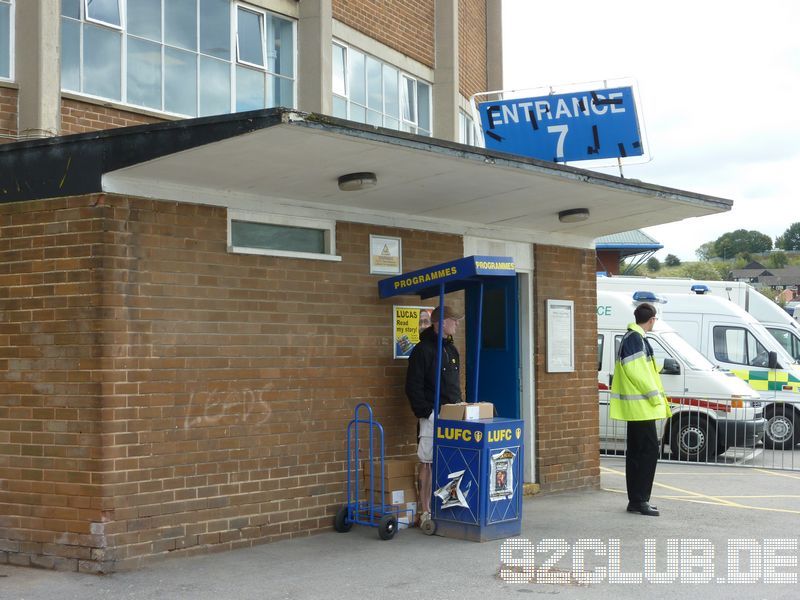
(719, 83)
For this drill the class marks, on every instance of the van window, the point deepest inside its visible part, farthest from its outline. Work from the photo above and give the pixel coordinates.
(739, 346)
(789, 341)
(659, 352)
(600, 343)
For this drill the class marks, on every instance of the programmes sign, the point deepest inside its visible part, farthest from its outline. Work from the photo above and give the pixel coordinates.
(590, 125)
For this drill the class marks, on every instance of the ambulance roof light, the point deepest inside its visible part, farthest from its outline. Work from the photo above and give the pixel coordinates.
(648, 297)
(700, 288)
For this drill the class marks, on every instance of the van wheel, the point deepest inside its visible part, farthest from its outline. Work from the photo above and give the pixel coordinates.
(692, 440)
(780, 433)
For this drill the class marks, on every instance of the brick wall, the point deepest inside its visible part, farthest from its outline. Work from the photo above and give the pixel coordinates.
(8, 114)
(405, 25)
(472, 47)
(80, 117)
(567, 421)
(161, 395)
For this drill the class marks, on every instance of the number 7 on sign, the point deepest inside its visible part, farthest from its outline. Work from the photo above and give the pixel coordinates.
(562, 133)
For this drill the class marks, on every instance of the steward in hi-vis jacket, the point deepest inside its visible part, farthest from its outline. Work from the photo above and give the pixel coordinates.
(638, 397)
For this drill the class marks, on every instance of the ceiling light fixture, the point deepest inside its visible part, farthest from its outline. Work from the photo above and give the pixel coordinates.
(573, 215)
(352, 182)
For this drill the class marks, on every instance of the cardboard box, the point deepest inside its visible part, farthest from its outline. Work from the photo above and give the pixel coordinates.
(406, 482)
(394, 467)
(467, 411)
(401, 496)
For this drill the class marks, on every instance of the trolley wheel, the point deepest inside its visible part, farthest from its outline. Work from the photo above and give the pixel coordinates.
(387, 527)
(428, 526)
(340, 521)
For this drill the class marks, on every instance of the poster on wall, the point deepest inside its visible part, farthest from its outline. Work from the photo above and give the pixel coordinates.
(385, 255)
(501, 476)
(409, 322)
(560, 336)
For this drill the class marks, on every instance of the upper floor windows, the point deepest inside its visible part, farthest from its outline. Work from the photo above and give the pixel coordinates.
(6, 36)
(187, 57)
(370, 91)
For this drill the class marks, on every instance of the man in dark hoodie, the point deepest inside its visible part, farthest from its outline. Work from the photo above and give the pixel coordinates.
(421, 391)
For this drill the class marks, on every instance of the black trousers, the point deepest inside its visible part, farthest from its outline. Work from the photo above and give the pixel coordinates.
(640, 460)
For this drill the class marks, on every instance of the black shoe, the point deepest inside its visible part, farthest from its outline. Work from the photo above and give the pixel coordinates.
(644, 508)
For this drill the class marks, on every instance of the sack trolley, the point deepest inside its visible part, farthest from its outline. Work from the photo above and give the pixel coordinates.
(366, 510)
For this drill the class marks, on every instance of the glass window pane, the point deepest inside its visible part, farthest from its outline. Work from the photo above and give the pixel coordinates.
(106, 11)
(358, 113)
(423, 105)
(358, 92)
(215, 28)
(374, 118)
(144, 73)
(391, 123)
(281, 92)
(71, 8)
(338, 70)
(339, 107)
(101, 62)
(250, 43)
(180, 82)
(407, 103)
(390, 94)
(277, 237)
(249, 89)
(70, 55)
(144, 19)
(5, 41)
(180, 23)
(215, 86)
(374, 85)
(280, 47)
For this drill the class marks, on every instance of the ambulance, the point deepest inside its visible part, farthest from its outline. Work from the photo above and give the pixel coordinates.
(777, 321)
(734, 340)
(712, 410)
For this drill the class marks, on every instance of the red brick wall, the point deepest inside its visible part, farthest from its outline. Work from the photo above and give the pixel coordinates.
(80, 117)
(8, 114)
(567, 421)
(206, 393)
(405, 25)
(472, 47)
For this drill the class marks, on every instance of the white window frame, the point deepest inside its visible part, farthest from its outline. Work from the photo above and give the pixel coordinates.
(262, 22)
(326, 225)
(120, 27)
(232, 60)
(12, 20)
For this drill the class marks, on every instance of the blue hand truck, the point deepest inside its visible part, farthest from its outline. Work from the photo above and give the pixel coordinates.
(367, 510)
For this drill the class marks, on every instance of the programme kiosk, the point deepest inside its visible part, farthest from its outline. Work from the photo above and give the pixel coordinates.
(477, 464)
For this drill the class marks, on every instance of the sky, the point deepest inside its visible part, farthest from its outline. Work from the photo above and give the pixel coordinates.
(719, 86)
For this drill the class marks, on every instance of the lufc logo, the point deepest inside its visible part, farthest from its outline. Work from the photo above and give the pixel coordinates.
(478, 436)
(518, 432)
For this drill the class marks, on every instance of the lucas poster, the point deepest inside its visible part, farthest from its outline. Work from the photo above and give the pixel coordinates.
(409, 322)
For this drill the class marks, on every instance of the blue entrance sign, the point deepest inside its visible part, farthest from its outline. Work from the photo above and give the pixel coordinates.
(565, 127)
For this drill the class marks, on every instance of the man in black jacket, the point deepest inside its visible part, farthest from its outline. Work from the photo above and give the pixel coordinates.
(421, 391)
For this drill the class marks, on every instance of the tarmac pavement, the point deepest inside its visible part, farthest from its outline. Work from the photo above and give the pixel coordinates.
(704, 510)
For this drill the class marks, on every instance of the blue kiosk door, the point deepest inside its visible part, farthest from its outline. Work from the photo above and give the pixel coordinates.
(498, 376)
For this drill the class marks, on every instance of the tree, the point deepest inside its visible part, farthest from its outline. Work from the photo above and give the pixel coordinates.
(790, 240)
(701, 270)
(653, 264)
(706, 251)
(741, 241)
(672, 261)
(778, 259)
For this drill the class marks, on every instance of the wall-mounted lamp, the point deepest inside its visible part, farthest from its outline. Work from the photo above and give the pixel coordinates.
(352, 182)
(573, 215)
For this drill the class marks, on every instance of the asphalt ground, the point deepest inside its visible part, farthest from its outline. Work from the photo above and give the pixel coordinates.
(713, 520)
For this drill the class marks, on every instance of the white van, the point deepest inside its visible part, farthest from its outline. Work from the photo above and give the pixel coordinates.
(711, 410)
(734, 340)
(777, 321)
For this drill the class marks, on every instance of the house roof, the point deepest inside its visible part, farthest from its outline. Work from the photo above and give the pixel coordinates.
(285, 160)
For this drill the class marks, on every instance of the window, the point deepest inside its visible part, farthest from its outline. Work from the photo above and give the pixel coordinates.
(789, 341)
(370, 91)
(296, 237)
(187, 57)
(739, 346)
(466, 130)
(6, 38)
(601, 339)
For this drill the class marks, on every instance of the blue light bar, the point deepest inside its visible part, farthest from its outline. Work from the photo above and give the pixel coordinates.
(648, 297)
(700, 288)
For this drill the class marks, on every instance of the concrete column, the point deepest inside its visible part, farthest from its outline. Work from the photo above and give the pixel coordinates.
(494, 44)
(38, 67)
(445, 84)
(314, 40)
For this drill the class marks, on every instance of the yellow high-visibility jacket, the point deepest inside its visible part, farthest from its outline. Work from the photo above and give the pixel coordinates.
(636, 390)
